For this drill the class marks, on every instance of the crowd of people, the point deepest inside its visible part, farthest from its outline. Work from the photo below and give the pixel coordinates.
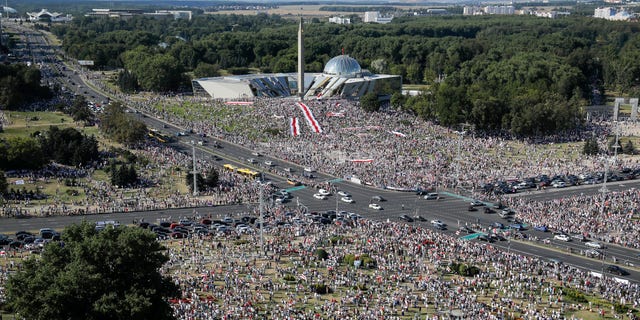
(412, 277)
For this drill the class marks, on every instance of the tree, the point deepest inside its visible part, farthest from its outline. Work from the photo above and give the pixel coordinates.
(369, 102)
(199, 180)
(3, 183)
(629, 148)
(591, 147)
(212, 178)
(108, 274)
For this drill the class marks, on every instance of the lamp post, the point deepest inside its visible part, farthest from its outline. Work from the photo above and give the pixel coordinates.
(194, 172)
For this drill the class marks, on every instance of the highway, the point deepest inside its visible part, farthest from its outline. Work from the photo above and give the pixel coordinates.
(452, 209)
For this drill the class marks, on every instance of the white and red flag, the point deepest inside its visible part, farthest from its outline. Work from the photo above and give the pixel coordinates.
(398, 133)
(294, 126)
(311, 120)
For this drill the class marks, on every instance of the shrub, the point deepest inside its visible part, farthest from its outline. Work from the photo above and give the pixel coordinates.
(321, 288)
(574, 295)
(322, 254)
(620, 308)
(289, 277)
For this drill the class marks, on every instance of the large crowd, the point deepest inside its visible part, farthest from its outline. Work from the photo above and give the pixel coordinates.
(224, 280)
(412, 277)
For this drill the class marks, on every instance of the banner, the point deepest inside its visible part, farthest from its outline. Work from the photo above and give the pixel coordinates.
(308, 115)
(397, 133)
(294, 126)
(362, 160)
(241, 103)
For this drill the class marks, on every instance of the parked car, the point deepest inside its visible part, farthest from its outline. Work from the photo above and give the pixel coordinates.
(541, 228)
(594, 244)
(562, 237)
(375, 206)
(592, 253)
(406, 218)
(320, 196)
(347, 199)
(616, 270)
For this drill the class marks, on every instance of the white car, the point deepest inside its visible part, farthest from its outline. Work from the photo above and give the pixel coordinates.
(375, 206)
(347, 199)
(592, 253)
(594, 244)
(308, 169)
(324, 192)
(257, 154)
(562, 237)
(269, 163)
(287, 169)
(476, 203)
(251, 160)
(437, 222)
(344, 193)
(320, 196)
(559, 184)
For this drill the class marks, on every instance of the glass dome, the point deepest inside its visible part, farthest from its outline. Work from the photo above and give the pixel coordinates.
(343, 66)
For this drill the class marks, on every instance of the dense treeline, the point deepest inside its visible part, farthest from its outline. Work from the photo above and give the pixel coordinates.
(121, 127)
(20, 85)
(64, 146)
(524, 74)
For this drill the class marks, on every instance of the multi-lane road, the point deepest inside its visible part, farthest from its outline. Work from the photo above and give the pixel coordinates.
(452, 209)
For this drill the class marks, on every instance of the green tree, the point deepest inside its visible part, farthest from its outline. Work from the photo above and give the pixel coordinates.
(369, 102)
(591, 147)
(24, 153)
(3, 183)
(212, 178)
(629, 148)
(108, 274)
(199, 181)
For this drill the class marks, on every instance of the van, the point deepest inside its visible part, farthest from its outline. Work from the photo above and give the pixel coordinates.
(431, 196)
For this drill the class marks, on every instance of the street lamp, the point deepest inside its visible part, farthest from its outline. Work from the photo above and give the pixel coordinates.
(194, 172)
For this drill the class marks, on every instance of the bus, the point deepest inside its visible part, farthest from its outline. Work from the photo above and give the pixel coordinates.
(249, 173)
(229, 167)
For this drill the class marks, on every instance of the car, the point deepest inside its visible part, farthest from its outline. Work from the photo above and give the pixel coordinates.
(375, 206)
(541, 228)
(559, 184)
(497, 237)
(592, 253)
(309, 169)
(438, 224)
(594, 244)
(324, 192)
(256, 154)
(466, 229)
(472, 208)
(251, 160)
(406, 218)
(347, 199)
(293, 182)
(476, 203)
(580, 237)
(484, 237)
(562, 237)
(497, 225)
(344, 193)
(419, 218)
(616, 270)
(320, 196)
(431, 196)
(268, 163)
(287, 169)
(421, 193)
(488, 210)
(378, 198)
(181, 133)
(517, 226)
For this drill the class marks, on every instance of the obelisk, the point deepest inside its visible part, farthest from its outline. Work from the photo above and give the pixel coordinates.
(300, 62)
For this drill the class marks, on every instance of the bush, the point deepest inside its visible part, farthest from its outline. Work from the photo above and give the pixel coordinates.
(620, 308)
(289, 277)
(321, 288)
(574, 295)
(322, 254)
(464, 269)
(240, 242)
(361, 287)
(334, 240)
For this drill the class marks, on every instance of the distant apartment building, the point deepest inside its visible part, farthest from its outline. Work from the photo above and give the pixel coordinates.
(499, 10)
(374, 16)
(610, 13)
(340, 20)
(472, 11)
